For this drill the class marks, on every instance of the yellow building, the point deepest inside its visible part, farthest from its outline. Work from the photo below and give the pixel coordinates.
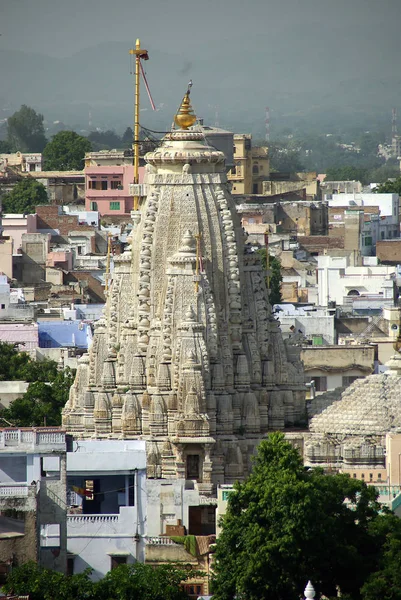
(251, 166)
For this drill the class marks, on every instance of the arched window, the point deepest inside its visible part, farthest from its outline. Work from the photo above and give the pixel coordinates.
(255, 169)
(353, 293)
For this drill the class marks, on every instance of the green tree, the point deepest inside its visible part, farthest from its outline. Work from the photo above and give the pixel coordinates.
(128, 138)
(390, 187)
(285, 158)
(105, 140)
(275, 279)
(126, 582)
(346, 173)
(144, 582)
(24, 197)
(46, 395)
(44, 584)
(42, 403)
(5, 147)
(286, 525)
(385, 582)
(66, 152)
(25, 130)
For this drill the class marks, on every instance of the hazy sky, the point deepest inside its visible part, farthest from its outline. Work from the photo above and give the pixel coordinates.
(62, 27)
(293, 55)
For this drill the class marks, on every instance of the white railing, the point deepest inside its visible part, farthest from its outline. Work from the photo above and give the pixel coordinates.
(34, 437)
(54, 437)
(14, 490)
(159, 541)
(83, 519)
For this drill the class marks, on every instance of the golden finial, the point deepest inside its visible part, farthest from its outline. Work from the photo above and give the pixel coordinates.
(185, 116)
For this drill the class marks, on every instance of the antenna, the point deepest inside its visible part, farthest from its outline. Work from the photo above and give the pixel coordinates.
(267, 124)
(394, 123)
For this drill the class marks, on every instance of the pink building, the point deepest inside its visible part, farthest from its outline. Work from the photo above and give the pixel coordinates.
(60, 258)
(14, 225)
(107, 188)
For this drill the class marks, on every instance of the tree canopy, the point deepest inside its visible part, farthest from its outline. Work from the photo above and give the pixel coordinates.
(24, 197)
(66, 152)
(126, 582)
(275, 296)
(46, 395)
(25, 130)
(286, 525)
(390, 187)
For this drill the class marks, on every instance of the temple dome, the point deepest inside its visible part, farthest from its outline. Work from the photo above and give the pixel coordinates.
(368, 406)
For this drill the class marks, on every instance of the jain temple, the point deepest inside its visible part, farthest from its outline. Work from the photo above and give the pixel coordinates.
(187, 355)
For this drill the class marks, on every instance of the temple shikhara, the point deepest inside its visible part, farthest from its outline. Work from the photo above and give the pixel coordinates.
(187, 355)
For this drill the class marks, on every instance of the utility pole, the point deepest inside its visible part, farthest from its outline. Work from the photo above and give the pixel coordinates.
(267, 124)
(139, 53)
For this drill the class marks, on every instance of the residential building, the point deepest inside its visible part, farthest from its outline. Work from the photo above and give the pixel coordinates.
(25, 162)
(64, 334)
(332, 367)
(33, 498)
(388, 252)
(306, 185)
(108, 177)
(316, 325)
(15, 225)
(107, 500)
(25, 336)
(330, 188)
(358, 287)
(282, 218)
(387, 206)
(251, 166)
(10, 391)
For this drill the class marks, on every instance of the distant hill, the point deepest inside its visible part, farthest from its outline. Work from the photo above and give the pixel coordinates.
(315, 82)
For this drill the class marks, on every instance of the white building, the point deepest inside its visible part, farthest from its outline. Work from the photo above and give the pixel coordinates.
(312, 322)
(33, 492)
(388, 204)
(366, 287)
(106, 524)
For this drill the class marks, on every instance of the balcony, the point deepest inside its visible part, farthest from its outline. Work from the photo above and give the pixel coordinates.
(121, 525)
(14, 490)
(38, 440)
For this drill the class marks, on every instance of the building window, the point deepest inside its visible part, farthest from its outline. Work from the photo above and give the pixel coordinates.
(353, 293)
(104, 185)
(320, 382)
(367, 241)
(363, 476)
(193, 466)
(114, 206)
(348, 379)
(93, 205)
(255, 188)
(379, 476)
(193, 590)
(116, 185)
(234, 170)
(255, 170)
(251, 221)
(225, 495)
(370, 476)
(70, 565)
(89, 489)
(382, 235)
(2, 306)
(116, 561)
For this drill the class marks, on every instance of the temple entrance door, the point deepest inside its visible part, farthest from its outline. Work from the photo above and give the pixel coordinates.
(193, 467)
(201, 520)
